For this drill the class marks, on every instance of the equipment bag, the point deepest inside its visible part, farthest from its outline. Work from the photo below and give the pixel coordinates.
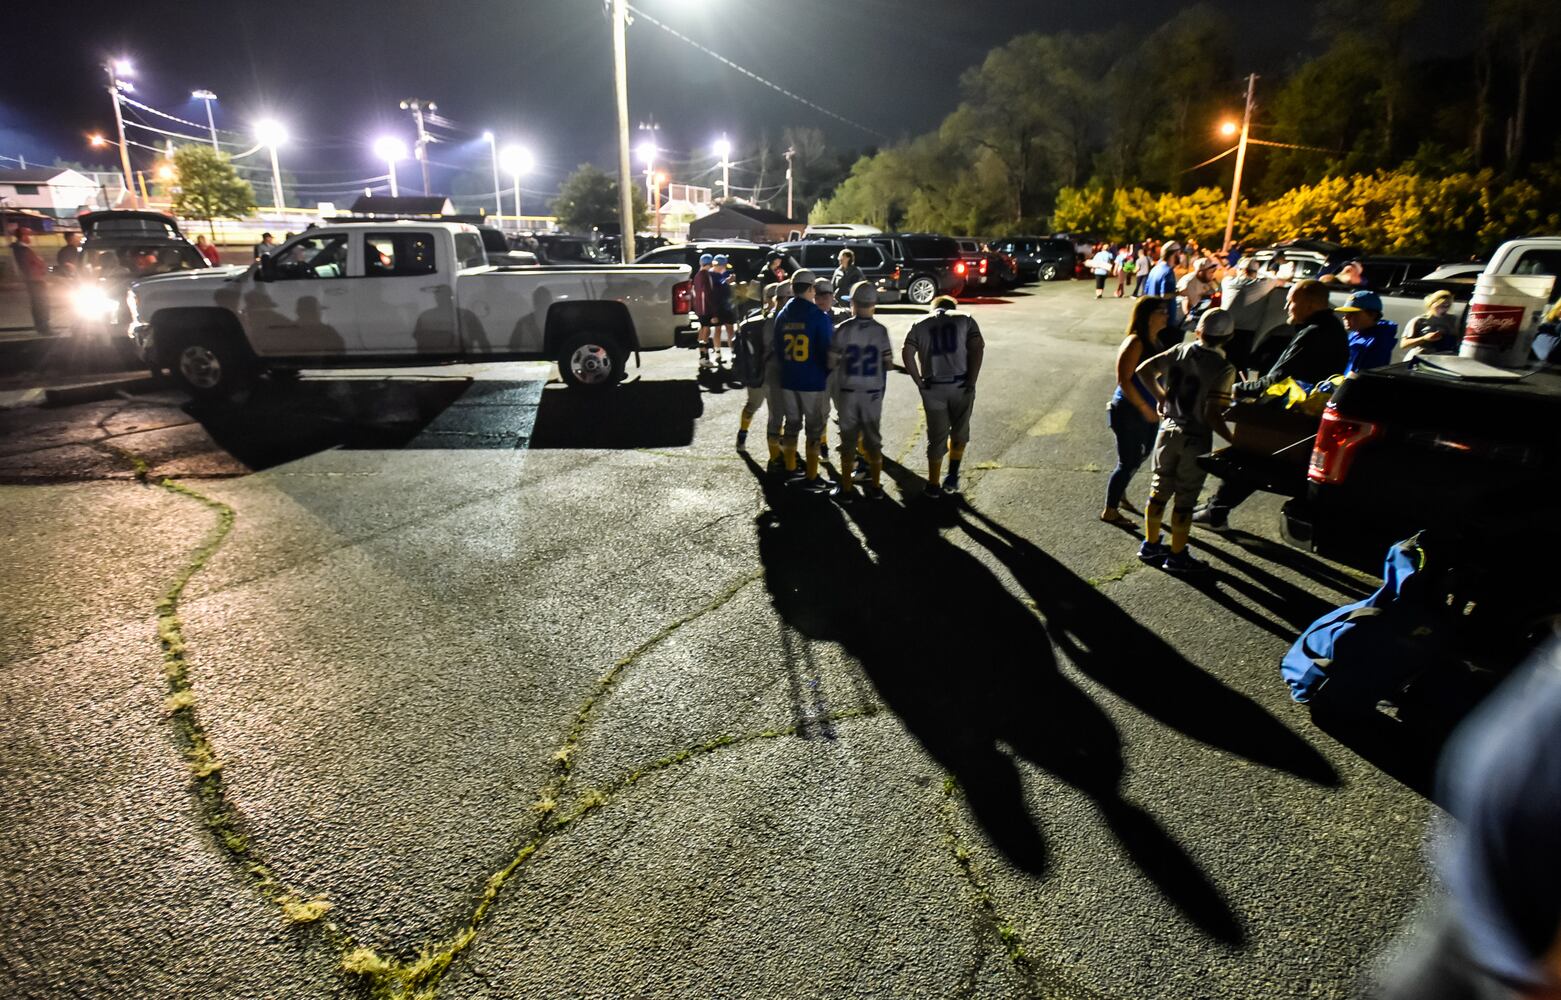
(1366, 642)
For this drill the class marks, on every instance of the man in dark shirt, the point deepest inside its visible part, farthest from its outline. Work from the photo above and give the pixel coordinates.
(266, 245)
(34, 276)
(67, 263)
(1320, 349)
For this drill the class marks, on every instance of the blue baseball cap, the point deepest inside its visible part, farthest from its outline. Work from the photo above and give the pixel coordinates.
(1362, 301)
(721, 259)
(705, 258)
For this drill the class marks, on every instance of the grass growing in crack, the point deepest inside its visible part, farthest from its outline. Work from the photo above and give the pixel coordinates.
(420, 978)
(182, 706)
(1115, 575)
(1040, 979)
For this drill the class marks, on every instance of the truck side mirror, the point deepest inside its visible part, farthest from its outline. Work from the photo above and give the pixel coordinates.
(267, 268)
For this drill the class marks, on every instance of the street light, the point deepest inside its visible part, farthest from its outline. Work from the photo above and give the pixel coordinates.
(516, 161)
(1229, 128)
(271, 133)
(116, 68)
(723, 149)
(165, 172)
(208, 97)
(390, 149)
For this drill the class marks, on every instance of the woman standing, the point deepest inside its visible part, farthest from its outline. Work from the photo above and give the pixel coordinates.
(1101, 265)
(1131, 414)
(1125, 266)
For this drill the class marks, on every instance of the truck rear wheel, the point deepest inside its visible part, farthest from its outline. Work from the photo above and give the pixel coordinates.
(208, 365)
(591, 360)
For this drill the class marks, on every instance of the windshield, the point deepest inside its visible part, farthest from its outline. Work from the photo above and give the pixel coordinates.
(141, 261)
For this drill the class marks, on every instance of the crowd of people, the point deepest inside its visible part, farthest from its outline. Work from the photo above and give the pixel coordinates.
(801, 358)
(1172, 398)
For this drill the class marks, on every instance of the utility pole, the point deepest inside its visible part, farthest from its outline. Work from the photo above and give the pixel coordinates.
(417, 106)
(620, 20)
(113, 67)
(207, 97)
(790, 152)
(1241, 159)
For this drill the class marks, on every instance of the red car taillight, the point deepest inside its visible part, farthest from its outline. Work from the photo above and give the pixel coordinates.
(682, 298)
(1334, 449)
(983, 265)
(959, 268)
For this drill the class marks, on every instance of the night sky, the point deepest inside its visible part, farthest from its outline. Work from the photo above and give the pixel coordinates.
(538, 72)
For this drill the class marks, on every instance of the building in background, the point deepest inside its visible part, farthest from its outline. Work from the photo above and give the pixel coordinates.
(737, 220)
(55, 191)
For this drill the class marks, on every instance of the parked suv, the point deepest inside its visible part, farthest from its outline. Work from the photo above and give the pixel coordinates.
(1041, 258)
(823, 256)
(930, 264)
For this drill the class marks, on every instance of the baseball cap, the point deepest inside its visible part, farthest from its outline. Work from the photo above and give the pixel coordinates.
(1201, 263)
(824, 286)
(863, 293)
(1171, 247)
(803, 277)
(1216, 324)
(705, 258)
(1362, 301)
(721, 259)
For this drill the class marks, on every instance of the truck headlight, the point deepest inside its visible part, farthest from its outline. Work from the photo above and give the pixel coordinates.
(93, 304)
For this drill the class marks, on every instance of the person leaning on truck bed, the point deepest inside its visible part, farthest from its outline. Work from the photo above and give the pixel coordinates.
(1320, 349)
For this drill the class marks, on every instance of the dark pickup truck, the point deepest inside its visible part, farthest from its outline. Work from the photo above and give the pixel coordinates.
(1432, 445)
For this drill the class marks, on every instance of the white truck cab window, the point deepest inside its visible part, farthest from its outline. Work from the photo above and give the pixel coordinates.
(394, 255)
(323, 256)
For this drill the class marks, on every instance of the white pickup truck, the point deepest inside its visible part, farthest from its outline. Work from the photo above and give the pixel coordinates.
(401, 293)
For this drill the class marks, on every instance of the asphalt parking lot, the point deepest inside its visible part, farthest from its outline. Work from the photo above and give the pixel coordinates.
(453, 680)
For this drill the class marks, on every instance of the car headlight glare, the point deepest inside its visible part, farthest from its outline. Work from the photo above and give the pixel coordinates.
(94, 304)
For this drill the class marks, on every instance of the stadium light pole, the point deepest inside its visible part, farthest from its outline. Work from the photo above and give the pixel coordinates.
(518, 162)
(390, 149)
(493, 156)
(207, 96)
(270, 133)
(117, 68)
(723, 149)
(647, 153)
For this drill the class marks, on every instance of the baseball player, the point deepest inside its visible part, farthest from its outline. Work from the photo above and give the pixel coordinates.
(1192, 384)
(755, 364)
(802, 336)
(825, 300)
(942, 354)
(723, 309)
(861, 356)
(702, 308)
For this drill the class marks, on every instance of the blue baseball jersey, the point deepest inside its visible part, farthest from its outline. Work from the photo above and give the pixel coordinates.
(802, 336)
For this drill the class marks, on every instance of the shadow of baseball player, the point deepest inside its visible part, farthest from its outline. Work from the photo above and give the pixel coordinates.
(969, 670)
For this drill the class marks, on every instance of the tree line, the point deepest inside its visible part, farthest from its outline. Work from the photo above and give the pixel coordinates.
(1104, 133)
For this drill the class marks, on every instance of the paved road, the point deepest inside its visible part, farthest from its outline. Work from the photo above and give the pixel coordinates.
(484, 687)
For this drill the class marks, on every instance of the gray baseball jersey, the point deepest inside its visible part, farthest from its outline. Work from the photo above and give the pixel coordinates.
(941, 341)
(859, 346)
(1193, 376)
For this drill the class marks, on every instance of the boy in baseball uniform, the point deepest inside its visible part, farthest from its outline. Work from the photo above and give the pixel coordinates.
(1192, 384)
(942, 354)
(860, 357)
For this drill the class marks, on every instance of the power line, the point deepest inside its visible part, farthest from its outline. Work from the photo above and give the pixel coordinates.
(750, 73)
(182, 121)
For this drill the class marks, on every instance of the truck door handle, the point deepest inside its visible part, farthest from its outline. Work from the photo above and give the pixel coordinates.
(336, 291)
(430, 288)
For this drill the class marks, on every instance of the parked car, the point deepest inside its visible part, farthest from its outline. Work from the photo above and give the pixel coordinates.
(1042, 258)
(930, 264)
(823, 256)
(840, 231)
(748, 262)
(565, 248)
(1004, 268)
(400, 293)
(119, 247)
(497, 246)
(978, 265)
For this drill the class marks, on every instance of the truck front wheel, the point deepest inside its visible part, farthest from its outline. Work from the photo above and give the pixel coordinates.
(590, 360)
(207, 365)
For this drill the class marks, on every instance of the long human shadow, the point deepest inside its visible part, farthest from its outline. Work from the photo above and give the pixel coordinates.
(1115, 650)
(971, 673)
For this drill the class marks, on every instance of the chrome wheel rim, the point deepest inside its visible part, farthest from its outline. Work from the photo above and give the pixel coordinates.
(200, 366)
(590, 364)
(1049, 272)
(922, 291)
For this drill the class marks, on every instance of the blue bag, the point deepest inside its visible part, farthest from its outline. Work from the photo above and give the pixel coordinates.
(1368, 638)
